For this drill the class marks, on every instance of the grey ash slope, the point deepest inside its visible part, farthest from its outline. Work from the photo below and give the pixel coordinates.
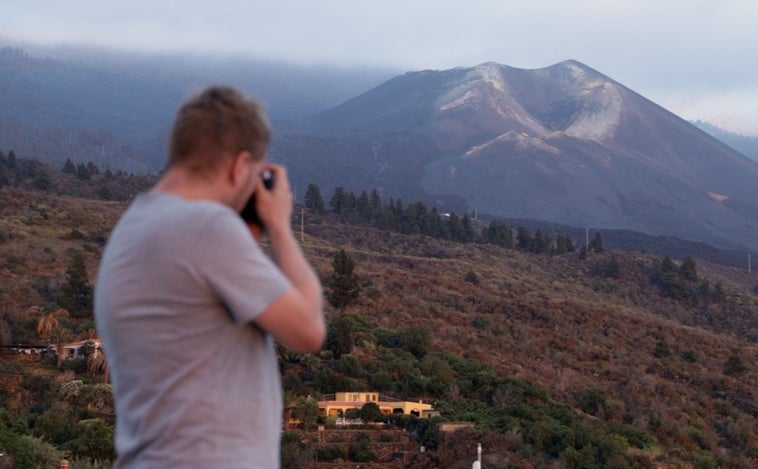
(563, 144)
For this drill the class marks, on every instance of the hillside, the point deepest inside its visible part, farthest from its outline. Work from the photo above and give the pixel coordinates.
(747, 145)
(536, 349)
(115, 108)
(562, 144)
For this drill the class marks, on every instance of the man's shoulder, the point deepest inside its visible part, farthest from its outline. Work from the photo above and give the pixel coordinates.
(173, 208)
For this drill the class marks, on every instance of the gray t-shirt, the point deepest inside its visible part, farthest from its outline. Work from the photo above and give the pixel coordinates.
(196, 382)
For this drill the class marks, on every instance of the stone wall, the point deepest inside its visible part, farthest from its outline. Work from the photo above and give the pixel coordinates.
(393, 447)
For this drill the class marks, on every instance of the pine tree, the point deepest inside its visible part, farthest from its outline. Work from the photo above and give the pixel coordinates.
(733, 365)
(338, 202)
(688, 270)
(76, 294)
(69, 167)
(562, 244)
(93, 169)
(82, 172)
(363, 206)
(597, 243)
(313, 200)
(498, 233)
(434, 223)
(416, 219)
(467, 229)
(524, 238)
(339, 339)
(541, 242)
(455, 227)
(343, 281)
(376, 202)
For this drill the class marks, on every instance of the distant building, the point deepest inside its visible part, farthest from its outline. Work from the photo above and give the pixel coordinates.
(337, 404)
(73, 349)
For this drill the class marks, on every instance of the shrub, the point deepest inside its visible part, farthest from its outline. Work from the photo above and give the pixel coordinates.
(38, 385)
(661, 349)
(306, 411)
(688, 355)
(415, 339)
(290, 437)
(481, 323)
(351, 366)
(94, 441)
(632, 435)
(370, 413)
(352, 414)
(734, 366)
(606, 268)
(361, 452)
(11, 367)
(382, 381)
(591, 400)
(386, 438)
(471, 278)
(17, 447)
(330, 453)
(78, 365)
(294, 453)
(385, 337)
(55, 425)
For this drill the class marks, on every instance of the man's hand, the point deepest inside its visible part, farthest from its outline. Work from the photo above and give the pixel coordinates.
(275, 205)
(296, 319)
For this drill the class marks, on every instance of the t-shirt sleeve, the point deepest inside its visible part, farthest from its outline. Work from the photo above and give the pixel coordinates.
(235, 267)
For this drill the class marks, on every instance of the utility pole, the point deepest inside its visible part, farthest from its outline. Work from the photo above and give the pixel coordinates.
(749, 265)
(302, 225)
(478, 463)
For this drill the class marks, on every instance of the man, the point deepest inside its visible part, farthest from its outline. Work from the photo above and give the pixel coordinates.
(188, 305)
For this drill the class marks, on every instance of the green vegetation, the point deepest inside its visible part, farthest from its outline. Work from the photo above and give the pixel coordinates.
(555, 358)
(57, 422)
(343, 283)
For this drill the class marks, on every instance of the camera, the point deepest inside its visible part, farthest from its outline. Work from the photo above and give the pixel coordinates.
(249, 214)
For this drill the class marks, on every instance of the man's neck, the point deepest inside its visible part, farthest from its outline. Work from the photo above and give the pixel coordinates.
(182, 183)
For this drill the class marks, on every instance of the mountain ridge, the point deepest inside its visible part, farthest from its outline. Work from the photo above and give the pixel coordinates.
(563, 143)
(568, 142)
(745, 144)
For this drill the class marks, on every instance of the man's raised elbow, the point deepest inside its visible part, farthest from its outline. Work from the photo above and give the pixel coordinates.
(312, 341)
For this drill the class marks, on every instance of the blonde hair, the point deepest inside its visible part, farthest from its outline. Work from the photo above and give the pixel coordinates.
(218, 123)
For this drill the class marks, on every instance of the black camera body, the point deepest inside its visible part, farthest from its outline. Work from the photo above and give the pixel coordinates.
(248, 213)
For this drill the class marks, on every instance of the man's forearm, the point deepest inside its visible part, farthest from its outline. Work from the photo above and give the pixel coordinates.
(288, 255)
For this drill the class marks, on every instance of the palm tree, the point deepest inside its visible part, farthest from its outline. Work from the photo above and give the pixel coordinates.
(97, 362)
(289, 396)
(47, 322)
(60, 336)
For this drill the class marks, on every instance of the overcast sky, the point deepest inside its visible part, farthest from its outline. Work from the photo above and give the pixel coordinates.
(697, 58)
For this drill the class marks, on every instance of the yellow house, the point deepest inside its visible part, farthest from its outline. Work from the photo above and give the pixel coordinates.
(337, 404)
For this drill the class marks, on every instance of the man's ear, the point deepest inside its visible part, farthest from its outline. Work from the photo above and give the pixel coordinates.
(239, 168)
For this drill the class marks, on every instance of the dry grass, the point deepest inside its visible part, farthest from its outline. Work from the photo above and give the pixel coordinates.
(539, 318)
